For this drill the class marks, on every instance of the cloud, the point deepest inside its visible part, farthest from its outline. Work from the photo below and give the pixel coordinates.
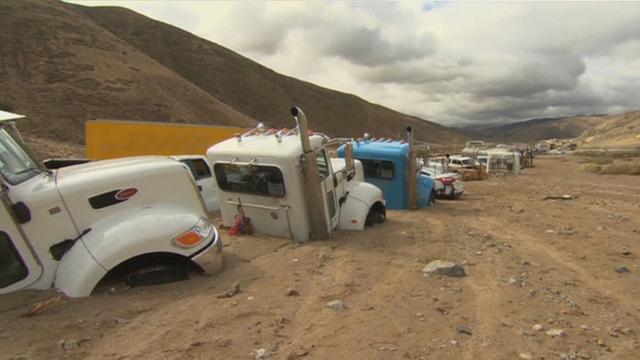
(452, 62)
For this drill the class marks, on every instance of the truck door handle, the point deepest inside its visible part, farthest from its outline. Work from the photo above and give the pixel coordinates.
(200, 188)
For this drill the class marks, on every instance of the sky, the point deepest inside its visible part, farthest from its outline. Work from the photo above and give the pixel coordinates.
(456, 63)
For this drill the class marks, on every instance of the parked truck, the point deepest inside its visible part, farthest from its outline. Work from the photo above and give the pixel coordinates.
(388, 165)
(286, 184)
(68, 228)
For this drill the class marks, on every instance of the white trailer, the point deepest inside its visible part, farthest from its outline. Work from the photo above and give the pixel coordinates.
(269, 175)
(68, 228)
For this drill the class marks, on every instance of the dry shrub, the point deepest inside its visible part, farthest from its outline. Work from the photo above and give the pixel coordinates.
(592, 167)
(626, 168)
(598, 160)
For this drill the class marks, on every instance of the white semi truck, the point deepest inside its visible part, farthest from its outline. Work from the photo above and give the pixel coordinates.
(286, 184)
(70, 227)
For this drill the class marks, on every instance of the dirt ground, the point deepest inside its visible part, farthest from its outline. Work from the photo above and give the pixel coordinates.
(528, 261)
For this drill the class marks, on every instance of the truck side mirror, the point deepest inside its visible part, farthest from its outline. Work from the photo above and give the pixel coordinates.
(21, 212)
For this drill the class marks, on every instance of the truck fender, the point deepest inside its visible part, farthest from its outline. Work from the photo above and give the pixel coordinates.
(355, 207)
(426, 190)
(78, 273)
(123, 236)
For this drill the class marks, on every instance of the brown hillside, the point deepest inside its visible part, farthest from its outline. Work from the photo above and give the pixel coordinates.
(540, 129)
(253, 89)
(59, 68)
(614, 130)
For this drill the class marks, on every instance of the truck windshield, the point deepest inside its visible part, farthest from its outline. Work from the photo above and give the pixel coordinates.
(15, 164)
(250, 179)
(381, 169)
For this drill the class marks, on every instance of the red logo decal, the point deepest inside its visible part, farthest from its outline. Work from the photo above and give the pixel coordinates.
(125, 194)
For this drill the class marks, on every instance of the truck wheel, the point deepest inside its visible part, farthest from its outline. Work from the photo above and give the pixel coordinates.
(377, 214)
(156, 274)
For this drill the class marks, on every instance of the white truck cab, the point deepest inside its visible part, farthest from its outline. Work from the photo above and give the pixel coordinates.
(68, 228)
(263, 173)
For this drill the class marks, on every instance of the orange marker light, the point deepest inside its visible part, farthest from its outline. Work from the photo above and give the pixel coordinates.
(189, 239)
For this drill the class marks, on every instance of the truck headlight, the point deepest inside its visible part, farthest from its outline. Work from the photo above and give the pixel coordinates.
(194, 236)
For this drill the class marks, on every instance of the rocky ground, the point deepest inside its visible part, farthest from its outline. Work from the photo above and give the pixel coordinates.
(545, 279)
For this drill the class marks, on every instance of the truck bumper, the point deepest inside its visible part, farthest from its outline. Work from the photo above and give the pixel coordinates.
(449, 193)
(209, 258)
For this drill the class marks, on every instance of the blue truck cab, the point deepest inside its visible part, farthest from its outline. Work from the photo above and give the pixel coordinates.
(385, 165)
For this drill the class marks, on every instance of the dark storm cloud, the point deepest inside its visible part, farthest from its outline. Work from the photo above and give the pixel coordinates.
(368, 47)
(407, 73)
(548, 72)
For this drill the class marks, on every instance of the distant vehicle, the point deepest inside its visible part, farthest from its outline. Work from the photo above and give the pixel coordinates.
(447, 185)
(385, 164)
(202, 174)
(460, 162)
(474, 144)
(482, 160)
(286, 184)
(70, 227)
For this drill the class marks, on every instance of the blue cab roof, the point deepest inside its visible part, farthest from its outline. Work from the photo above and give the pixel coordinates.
(378, 149)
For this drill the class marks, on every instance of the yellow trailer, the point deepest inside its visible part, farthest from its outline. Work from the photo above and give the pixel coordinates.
(107, 139)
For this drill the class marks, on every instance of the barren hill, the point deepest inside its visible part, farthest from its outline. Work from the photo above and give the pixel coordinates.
(614, 130)
(598, 130)
(62, 64)
(539, 129)
(253, 89)
(59, 68)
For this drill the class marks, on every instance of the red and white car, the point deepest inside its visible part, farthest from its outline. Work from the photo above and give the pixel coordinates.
(447, 185)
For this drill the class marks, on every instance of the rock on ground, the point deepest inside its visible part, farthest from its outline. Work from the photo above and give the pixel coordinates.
(444, 268)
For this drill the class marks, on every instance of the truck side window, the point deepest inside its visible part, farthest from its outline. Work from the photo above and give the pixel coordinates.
(331, 204)
(250, 179)
(12, 269)
(381, 169)
(323, 166)
(199, 168)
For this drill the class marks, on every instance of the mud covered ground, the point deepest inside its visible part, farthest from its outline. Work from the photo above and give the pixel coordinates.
(529, 262)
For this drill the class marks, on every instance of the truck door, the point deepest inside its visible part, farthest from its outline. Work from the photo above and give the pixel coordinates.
(18, 266)
(328, 185)
(202, 174)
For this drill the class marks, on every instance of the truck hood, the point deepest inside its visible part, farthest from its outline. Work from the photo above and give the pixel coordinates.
(94, 190)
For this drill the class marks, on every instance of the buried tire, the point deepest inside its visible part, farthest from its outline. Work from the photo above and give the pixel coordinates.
(156, 274)
(377, 214)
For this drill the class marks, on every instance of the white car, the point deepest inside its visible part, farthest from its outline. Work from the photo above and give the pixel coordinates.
(460, 162)
(447, 185)
(201, 171)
